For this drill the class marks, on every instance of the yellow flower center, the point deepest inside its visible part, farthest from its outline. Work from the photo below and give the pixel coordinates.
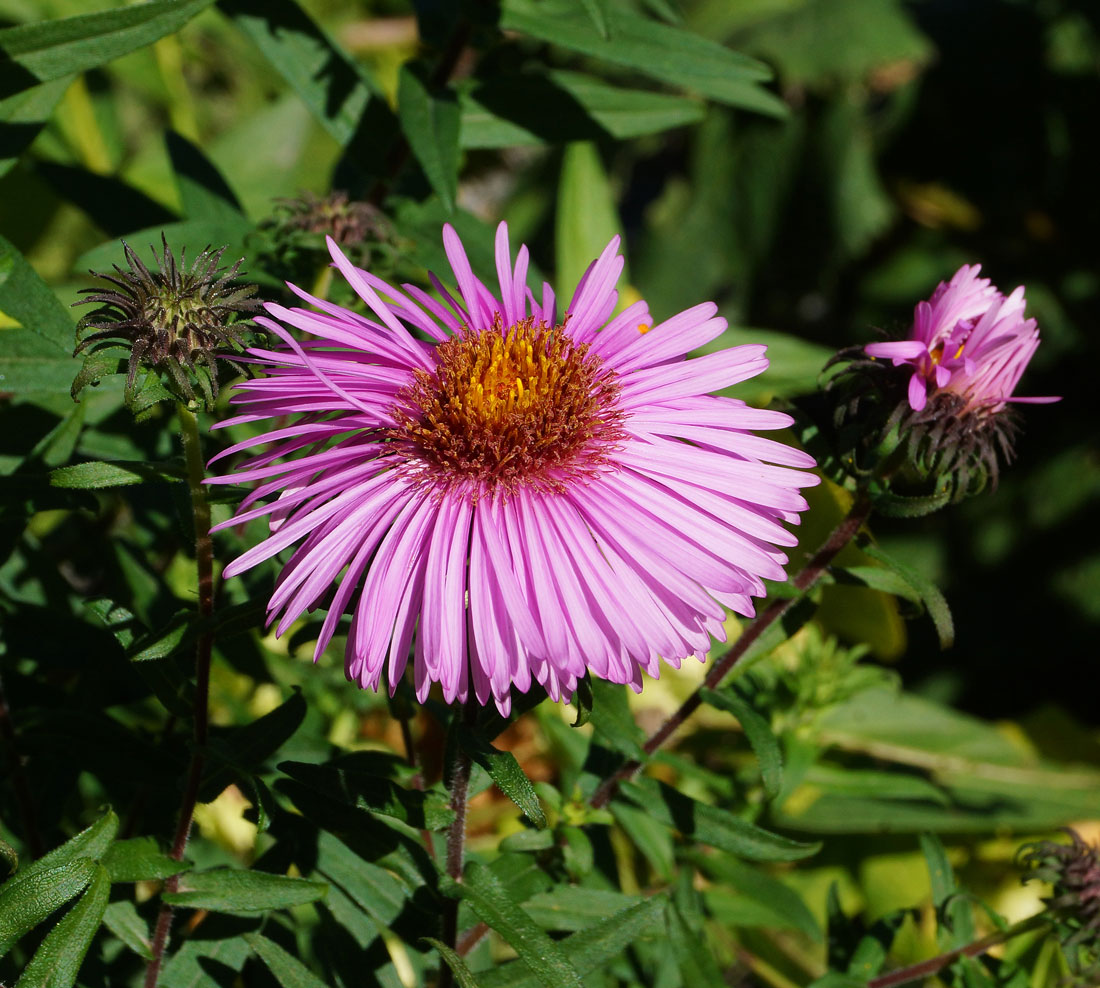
(504, 407)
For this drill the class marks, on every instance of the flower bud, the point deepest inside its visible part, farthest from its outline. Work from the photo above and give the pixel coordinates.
(173, 319)
(933, 415)
(1073, 871)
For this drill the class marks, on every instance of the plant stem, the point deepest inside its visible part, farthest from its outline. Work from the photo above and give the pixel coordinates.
(806, 578)
(204, 560)
(459, 785)
(935, 964)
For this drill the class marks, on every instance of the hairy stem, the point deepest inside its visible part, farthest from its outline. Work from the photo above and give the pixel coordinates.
(925, 969)
(459, 785)
(806, 578)
(204, 559)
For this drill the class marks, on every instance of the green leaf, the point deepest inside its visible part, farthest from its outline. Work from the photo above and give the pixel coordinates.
(430, 122)
(356, 782)
(46, 50)
(558, 107)
(140, 859)
(505, 771)
(568, 907)
(57, 961)
(697, 964)
(92, 842)
(27, 299)
(710, 825)
(463, 975)
(204, 194)
(122, 919)
(492, 903)
(650, 836)
(956, 921)
(745, 896)
(373, 889)
(589, 949)
(929, 594)
(329, 82)
(23, 116)
(27, 900)
(660, 51)
(287, 970)
(231, 890)
(586, 218)
(29, 365)
(98, 474)
(759, 733)
(164, 641)
(191, 964)
(612, 721)
(597, 10)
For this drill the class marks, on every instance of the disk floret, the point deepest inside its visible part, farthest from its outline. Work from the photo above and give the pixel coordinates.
(503, 407)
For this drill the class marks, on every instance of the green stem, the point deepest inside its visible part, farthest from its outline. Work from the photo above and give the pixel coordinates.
(806, 578)
(933, 965)
(459, 785)
(204, 560)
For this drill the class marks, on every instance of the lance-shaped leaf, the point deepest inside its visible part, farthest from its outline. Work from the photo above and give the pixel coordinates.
(488, 897)
(231, 890)
(711, 825)
(45, 50)
(430, 120)
(97, 474)
(57, 961)
(660, 51)
(590, 948)
(333, 87)
(930, 596)
(463, 975)
(286, 969)
(759, 733)
(23, 116)
(26, 902)
(505, 771)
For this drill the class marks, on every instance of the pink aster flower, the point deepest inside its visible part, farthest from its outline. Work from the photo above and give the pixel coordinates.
(968, 340)
(528, 495)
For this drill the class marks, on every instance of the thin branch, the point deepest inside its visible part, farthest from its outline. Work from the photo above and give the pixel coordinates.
(925, 969)
(204, 559)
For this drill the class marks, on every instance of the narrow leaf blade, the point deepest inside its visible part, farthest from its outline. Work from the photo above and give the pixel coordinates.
(57, 961)
(45, 50)
(430, 122)
(488, 898)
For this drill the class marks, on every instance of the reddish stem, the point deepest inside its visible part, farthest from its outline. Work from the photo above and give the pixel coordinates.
(204, 560)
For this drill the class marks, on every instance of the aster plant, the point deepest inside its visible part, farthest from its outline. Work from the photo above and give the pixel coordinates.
(539, 494)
